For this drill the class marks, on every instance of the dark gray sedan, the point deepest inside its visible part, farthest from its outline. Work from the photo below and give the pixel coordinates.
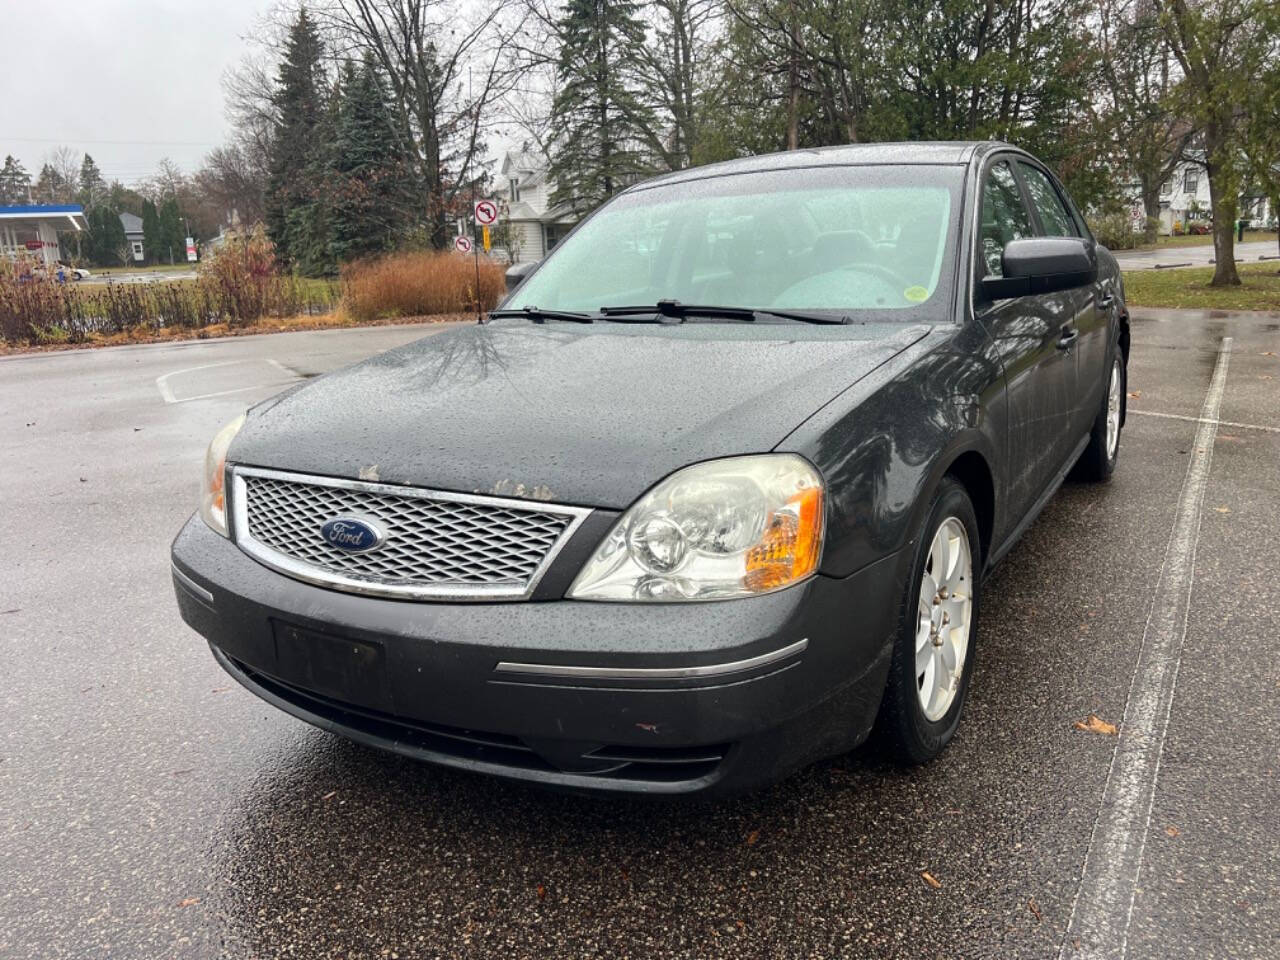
(710, 497)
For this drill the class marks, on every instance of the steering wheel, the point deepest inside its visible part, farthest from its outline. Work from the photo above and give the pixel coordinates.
(892, 283)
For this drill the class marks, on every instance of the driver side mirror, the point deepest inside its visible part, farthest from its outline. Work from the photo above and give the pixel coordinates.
(1042, 265)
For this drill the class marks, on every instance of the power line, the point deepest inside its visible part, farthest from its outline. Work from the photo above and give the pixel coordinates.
(117, 143)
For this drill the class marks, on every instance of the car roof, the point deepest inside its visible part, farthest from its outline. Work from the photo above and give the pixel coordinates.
(932, 153)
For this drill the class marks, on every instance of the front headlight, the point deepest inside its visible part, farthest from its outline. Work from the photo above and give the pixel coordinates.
(726, 528)
(213, 498)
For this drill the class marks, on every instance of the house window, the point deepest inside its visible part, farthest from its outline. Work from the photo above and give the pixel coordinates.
(1166, 188)
(1191, 181)
(554, 233)
(515, 190)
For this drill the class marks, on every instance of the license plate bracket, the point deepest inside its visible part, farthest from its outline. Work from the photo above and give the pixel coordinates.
(346, 669)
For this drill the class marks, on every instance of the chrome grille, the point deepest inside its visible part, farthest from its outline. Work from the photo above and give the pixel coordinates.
(438, 545)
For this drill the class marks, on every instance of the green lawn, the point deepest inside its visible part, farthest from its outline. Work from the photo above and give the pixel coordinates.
(1259, 288)
(180, 267)
(1191, 240)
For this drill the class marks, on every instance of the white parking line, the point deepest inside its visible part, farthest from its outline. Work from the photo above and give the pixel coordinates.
(1103, 909)
(162, 381)
(167, 394)
(1221, 423)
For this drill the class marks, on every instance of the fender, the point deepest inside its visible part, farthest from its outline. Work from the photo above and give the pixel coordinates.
(881, 466)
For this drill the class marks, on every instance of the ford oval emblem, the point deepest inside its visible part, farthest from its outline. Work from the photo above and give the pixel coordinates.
(353, 534)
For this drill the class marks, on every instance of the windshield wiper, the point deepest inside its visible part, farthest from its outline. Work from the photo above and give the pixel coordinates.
(678, 310)
(538, 315)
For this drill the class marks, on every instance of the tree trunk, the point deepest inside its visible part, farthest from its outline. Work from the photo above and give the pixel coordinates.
(793, 84)
(1224, 228)
(1151, 209)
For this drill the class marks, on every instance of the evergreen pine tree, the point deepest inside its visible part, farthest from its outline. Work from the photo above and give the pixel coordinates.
(367, 173)
(172, 245)
(92, 187)
(151, 231)
(15, 183)
(598, 116)
(105, 236)
(293, 190)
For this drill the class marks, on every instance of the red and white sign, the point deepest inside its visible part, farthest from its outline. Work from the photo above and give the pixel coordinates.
(486, 212)
(191, 250)
(462, 244)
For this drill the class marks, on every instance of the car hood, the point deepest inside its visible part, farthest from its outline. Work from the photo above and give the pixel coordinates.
(577, 415)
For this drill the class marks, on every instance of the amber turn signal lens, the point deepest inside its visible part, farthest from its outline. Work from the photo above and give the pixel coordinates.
(788, 550)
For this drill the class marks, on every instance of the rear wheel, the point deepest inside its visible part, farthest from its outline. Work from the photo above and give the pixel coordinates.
(933, 652)
(1098, 461)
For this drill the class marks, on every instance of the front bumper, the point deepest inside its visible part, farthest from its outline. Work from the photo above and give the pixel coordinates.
(649, 698)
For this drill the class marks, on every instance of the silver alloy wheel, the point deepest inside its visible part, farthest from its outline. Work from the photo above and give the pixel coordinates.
(1113, 409)
(943, 625)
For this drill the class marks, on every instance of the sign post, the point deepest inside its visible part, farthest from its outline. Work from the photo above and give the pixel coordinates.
(486, 212)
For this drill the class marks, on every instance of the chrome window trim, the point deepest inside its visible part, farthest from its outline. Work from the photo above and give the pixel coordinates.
(319, 576)
(653, 673)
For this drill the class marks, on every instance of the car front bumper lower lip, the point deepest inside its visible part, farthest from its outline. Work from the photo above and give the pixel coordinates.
(648, 698)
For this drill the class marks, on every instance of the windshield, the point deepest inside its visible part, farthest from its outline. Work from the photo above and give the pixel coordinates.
(857, 240)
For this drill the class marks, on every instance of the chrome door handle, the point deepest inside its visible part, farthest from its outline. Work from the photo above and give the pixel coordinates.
(1069, 337)
(1106, 300)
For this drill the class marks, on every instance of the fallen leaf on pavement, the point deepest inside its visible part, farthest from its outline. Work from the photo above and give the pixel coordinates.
(189, 902)
(542, 892)
(752, 837)
(329, 794)
(1172, 831)
(1031, 905)
(1222, 509)
(930, 879)
(1136, 394)
(1095, 724)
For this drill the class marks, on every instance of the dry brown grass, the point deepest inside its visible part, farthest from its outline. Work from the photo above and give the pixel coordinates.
(417, 284)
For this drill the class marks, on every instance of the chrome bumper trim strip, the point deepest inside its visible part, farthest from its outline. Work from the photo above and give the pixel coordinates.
(652, 673)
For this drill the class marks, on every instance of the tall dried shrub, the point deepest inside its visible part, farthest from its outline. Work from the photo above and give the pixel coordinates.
(419, 283)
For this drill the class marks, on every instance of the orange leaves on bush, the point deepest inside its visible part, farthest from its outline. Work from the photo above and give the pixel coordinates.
(419, 283)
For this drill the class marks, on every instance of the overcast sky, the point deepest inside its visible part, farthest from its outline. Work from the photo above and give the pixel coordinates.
(129, 81)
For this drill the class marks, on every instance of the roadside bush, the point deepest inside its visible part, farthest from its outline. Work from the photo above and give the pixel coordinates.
(36, 309)
(1115, 231)
(418, 283)
(243, 280)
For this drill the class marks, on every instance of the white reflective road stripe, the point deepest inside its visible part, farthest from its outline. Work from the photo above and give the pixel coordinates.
(1103, 908)
(652, 673)
(1222, 423)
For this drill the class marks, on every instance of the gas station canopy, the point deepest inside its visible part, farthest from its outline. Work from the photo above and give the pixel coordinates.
(33, 231)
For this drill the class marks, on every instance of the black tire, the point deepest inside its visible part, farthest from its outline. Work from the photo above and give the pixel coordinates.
(1097, 463)
(904, 733)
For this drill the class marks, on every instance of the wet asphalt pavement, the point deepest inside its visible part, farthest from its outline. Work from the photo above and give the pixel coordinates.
(153, 808)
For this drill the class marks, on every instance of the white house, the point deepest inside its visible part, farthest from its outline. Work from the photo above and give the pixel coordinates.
(536, 226)
(1184, 200)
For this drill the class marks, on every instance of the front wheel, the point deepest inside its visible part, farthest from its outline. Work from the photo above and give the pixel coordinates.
(933, 652)
(1098, 461)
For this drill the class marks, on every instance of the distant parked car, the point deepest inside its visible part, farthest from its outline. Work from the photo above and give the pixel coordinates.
(69, 272)
(517, 272)
(1199, 228)
(688, 515)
